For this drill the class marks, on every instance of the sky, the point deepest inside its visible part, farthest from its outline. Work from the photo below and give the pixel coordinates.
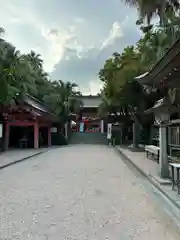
(74, 37)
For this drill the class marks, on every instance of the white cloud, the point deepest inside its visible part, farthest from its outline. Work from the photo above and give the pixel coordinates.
(93, 87)
(72, 38)
(115, 32)
(80, 20)
(23, 13)
(58, 41)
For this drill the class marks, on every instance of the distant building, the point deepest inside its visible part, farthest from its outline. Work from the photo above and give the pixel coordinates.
(89, 112)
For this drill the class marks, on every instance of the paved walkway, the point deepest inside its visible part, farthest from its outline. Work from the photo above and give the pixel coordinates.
(11, 156)
(82, 192)
(151, 169)
(148, 166)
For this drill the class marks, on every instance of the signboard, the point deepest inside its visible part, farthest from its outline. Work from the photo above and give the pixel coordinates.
(81, 128)
(1, 130)
(109, 131)
(54, 130)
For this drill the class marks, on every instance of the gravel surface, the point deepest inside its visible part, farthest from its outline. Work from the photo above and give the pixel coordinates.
(77, 193)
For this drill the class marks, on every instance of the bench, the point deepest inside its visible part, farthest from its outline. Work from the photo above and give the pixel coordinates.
(152, 151)
(174, 149)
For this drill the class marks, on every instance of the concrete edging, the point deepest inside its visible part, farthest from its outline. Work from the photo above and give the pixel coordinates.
(22, 159)
(149, 177)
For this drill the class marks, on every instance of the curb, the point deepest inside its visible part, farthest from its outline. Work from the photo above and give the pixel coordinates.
(22, 159)
(149, 177)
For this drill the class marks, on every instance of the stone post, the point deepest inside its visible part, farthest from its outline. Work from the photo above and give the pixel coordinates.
(163, 157)
(136, 131)
(66, 130)
(36, 135)
(6, 136)
(49, 136)
(102, 126)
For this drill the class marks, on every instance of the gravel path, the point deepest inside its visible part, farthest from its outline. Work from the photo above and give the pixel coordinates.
(77, 193)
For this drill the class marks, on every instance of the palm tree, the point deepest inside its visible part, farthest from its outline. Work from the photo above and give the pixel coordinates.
(24, 73)
(35, 60)
(17, 75)
(104, 106)
(148, 9)
(67, 92)
(9, 60)
(61, 99)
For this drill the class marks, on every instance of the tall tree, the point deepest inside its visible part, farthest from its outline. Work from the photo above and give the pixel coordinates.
(24, 73)
(118, 73)
(35, 59)
(61, 99)
(149, 8)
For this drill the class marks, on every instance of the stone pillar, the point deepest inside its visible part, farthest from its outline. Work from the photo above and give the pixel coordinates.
(36, 135)
(66, 130)
(163, 157)
(102, 126)
(49, 136)
(134, 135)
(6, 136)
(136, 131)
(121, 136)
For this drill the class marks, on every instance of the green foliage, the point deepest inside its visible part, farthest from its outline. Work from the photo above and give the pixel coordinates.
(153, 8)
(61, 100)
(24, 73)
(121, 90)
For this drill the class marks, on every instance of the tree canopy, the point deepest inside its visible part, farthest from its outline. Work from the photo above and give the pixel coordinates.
(149, 8)
(24, 73)
(121, 90)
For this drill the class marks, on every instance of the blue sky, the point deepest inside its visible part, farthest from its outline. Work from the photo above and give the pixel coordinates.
(74, 37)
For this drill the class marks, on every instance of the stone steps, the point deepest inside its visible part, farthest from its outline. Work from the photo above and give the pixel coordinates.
(88, 138)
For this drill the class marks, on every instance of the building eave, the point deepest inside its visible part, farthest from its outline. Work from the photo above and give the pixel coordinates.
(163, 65)
(142, 79)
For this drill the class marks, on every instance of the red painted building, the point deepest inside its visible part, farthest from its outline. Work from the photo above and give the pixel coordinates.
(27, 124)
(88, 114)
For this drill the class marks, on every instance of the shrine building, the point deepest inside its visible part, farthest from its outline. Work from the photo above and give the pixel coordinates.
(26, 124)
(87, 119)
